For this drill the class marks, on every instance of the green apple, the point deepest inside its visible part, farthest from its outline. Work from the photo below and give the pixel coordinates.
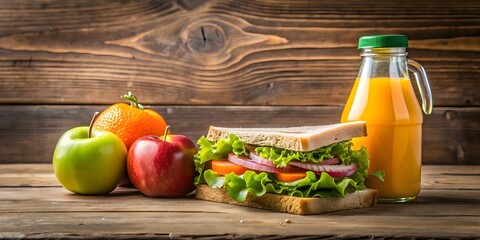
(87, 164)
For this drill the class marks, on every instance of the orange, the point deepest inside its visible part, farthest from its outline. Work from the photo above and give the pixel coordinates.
(130, 122)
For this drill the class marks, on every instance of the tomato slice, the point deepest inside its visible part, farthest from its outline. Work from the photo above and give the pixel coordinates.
(290, 177)
(224, 167)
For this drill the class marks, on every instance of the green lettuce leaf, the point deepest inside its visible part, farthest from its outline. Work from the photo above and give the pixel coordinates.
(281, 157)
(209, 150)
(213, 179)
(378, 174)
(238, 187)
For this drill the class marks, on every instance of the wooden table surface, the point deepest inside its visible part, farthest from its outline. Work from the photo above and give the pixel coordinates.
(34, 205)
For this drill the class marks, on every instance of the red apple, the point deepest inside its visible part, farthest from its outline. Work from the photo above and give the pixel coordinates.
(159, 168)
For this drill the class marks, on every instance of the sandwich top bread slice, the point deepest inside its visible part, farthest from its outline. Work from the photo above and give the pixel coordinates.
(301, 170)
(306, 138)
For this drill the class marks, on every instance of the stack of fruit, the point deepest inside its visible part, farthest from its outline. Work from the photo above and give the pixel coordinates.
(124, 145)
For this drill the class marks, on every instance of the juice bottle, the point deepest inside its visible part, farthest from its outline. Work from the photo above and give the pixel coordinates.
(383, 96)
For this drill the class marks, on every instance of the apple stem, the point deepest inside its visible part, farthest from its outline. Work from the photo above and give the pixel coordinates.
(166, 132)
(133, 100)
(94, 118)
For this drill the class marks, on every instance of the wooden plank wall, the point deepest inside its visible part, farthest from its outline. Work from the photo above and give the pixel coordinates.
(230, 63)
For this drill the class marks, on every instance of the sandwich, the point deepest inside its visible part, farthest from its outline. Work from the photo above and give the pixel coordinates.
(299, 170)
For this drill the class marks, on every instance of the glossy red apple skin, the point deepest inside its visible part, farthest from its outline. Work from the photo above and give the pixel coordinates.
(185, 143)
(160, 169)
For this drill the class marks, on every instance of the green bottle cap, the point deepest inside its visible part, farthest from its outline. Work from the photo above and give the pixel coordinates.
(383, 41)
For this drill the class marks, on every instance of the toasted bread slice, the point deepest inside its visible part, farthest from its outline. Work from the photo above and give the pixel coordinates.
(296, 205)
(303, 139)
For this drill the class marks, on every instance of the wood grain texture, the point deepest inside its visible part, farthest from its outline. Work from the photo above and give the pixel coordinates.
(197, 62)
(256, 225)
(443, 210)
(231, 63)
(29, 133)
(225, 52)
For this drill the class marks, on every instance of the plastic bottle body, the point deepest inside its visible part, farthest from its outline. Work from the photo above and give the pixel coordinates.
(383, 96)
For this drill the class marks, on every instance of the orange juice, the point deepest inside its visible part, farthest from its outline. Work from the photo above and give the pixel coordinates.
(394, 127)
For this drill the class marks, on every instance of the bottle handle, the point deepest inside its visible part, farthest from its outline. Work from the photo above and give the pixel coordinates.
(423, 85)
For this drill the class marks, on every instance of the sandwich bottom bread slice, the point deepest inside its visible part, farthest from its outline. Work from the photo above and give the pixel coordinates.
(296, 205)
(300, 170)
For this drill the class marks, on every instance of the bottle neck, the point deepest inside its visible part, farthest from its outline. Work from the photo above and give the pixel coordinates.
(383, 63)
(383, 52)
